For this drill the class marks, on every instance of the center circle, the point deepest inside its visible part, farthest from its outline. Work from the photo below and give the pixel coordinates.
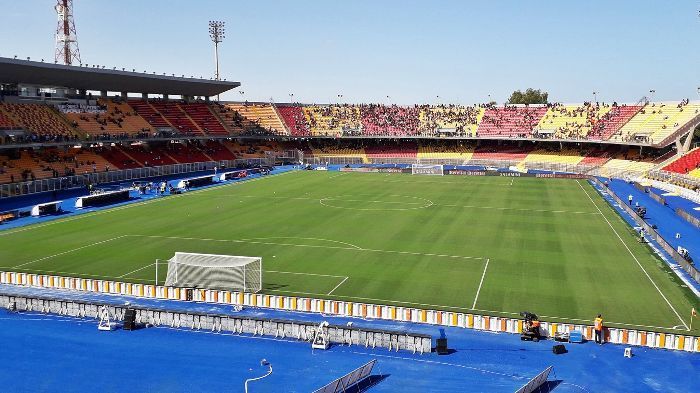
(376, 202)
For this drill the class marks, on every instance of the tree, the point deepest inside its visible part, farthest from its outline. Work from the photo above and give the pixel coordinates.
(530, 96)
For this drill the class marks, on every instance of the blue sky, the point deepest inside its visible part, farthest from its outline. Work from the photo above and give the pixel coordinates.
(412, 51)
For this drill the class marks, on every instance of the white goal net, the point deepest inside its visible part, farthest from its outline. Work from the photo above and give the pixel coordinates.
(226, 272)
(420, 169)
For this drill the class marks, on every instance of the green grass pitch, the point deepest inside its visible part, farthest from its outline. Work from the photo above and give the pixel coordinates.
(490, 245)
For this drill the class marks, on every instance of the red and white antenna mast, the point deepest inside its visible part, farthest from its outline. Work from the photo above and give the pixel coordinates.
(67, 51)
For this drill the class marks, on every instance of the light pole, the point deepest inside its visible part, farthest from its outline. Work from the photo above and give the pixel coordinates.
(698, 92)
(595, 97)
(241, 92)
(652, 91)
(291, 98)
(262, 363)
(216, 33)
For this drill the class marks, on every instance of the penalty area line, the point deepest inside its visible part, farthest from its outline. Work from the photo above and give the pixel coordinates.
(336, 287)
(486, 266)
(137, 270)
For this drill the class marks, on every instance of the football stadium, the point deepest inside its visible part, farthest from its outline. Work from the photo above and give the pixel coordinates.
(165, 232)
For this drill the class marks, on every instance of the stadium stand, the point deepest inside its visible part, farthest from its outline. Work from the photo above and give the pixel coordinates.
(39, 119)
(506, 153)
(689, 163)
(261, 115)
(571, 157)
(294, 118)
(656, 121)
(173, 113)
(217, 151)
(6, 123)
(612, 121)
(113, 119)
(510, 121)
(438, 150)
(150, 114)
(50, 162)
(570, 121)
(407, 149)
(390, 120)
(453, 120)
(204, 118)
(332, 120)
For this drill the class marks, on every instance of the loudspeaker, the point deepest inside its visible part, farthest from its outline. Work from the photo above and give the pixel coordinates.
(558, 349)
(130, 319)
(441, 346)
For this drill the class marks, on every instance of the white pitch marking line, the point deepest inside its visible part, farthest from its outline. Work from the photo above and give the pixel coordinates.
(634, 257)
(336, 287)
(304, 238)
(310, 246)
(67, 252)
(139, 269)
(409, 203)
(486, 266)
(304, 274)
(519, 209)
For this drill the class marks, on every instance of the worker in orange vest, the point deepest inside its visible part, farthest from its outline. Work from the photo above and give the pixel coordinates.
(598, 327)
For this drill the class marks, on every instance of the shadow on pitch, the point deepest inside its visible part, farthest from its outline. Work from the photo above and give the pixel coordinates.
(273, 286)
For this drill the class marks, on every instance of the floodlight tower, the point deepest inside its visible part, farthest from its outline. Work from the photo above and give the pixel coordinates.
(67, 51)
(216, 32)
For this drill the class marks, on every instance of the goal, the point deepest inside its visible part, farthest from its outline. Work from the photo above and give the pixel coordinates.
(225, 272)
(419, 169)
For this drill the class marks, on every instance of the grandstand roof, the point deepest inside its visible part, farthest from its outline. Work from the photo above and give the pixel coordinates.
(89, 78)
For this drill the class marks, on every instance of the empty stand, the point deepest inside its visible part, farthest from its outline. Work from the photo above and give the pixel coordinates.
(173, 113)
(40, 119)
(685, 164)
(150, 114)
(200, 114)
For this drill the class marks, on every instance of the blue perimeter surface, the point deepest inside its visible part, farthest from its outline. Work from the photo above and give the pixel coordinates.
(55, 353)
(668, 223)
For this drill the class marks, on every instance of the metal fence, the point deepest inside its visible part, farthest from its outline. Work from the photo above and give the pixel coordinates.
(651, 232)
(545, 166)
(82, 180)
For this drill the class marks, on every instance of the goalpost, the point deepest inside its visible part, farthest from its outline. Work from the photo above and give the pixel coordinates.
(226, 272)
(421, 169)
